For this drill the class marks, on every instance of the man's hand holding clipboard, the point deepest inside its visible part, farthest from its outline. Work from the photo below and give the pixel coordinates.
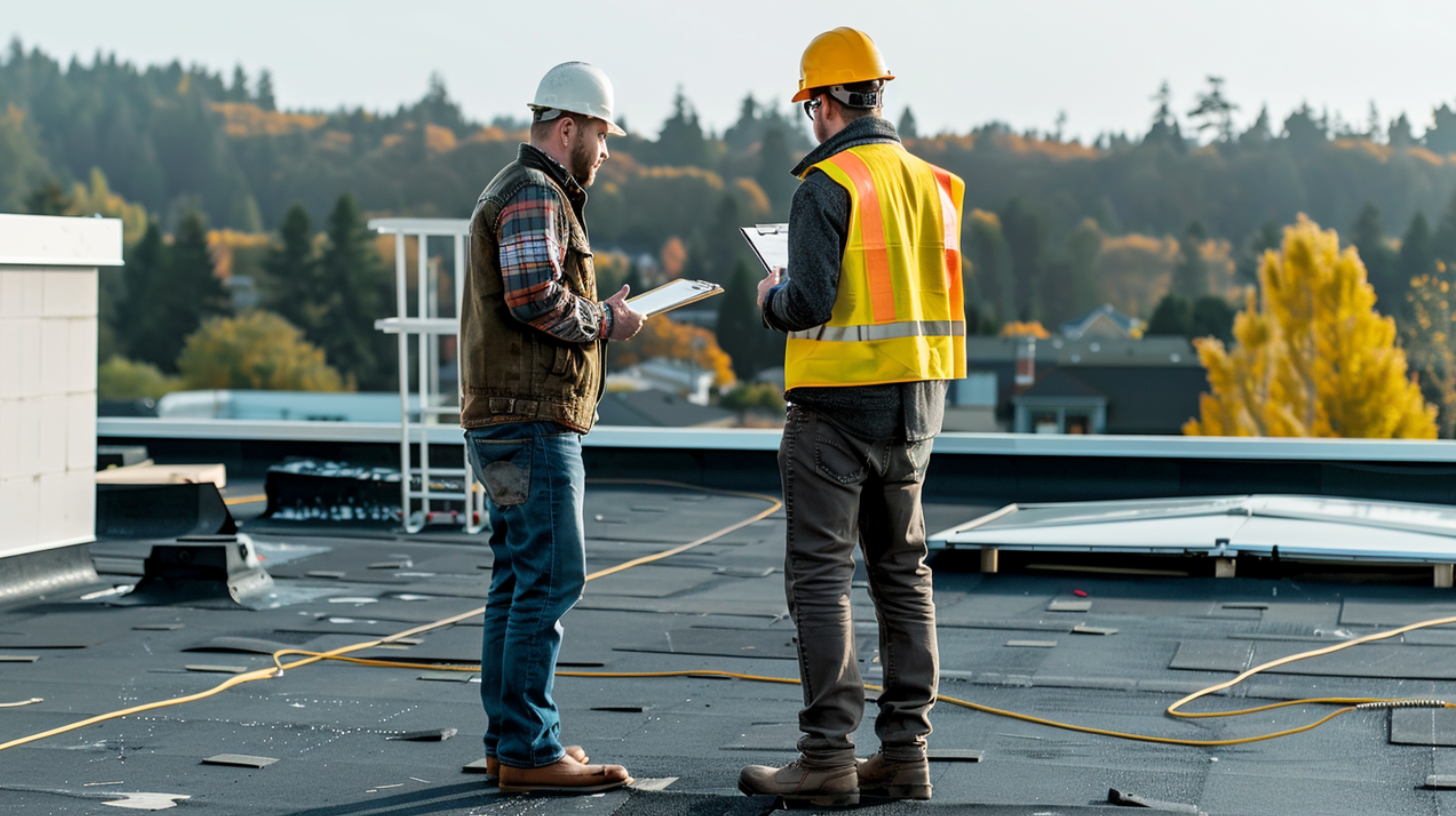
(770, 243)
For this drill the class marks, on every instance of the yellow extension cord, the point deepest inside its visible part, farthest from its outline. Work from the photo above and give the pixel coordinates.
(279, 667)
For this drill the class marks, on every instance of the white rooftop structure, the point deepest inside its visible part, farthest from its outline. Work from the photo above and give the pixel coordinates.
(48, 308)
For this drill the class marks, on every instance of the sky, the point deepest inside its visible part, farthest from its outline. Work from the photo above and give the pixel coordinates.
(957, 64)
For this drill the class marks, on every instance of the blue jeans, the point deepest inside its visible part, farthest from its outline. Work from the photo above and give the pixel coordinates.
(534, 476)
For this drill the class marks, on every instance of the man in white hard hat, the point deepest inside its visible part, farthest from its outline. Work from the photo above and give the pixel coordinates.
(533, 341)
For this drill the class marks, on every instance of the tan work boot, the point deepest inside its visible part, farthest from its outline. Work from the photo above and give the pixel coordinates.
(492, 765)
(796, 782)
(565, 775)
(894, 779)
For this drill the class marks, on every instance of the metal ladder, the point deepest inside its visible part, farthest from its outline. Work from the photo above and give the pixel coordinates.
(420, 507)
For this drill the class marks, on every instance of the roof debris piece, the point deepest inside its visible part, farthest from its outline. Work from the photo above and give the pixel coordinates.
(1084, 629)
(429, 735)
(19, 658)
(239, 761)
(446, 676)
(1441, 781)
(148, 801)
(953, 755)
(653, 784)
(1117, 797)
(202, 667)
(1069, 606)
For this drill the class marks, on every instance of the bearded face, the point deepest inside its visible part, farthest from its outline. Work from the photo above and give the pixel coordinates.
(584, 159)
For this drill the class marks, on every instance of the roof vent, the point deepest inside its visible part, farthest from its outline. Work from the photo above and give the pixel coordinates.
(212, 569)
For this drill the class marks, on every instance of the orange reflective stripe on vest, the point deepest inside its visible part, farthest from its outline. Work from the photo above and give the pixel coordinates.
(948, 209)
(872, 235)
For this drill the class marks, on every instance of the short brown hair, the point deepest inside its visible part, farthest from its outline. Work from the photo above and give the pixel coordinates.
(541, 127)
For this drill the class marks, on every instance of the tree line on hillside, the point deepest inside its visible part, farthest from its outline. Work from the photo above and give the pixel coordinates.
(1167, 225)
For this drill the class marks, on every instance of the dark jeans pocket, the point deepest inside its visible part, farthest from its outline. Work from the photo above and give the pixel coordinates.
(505, 469)
(838, 458)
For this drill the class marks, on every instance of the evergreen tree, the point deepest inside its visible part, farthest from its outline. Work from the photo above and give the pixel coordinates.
(748, 129)
(681, 142)
(1314, 359)
(1416, 260)
(1165, 129)
(907, 128)
(1211, 316)
(265, 91)
(48, 199)
(1173, 316)
(239, 90)
(1399, 135)
(990, 266)
(1025, 233)
(1070, 288)
(1190, 276)
(1266, 237)
(1215, 111)
(773, 176)
(1260, 132)
(142, 266)
(1368, 238)
(723, 246)
(1303, 129)
(294, 288)
(740, 329)
(1441, 135)
(351, 272)
(1443, 243)
(183, 293)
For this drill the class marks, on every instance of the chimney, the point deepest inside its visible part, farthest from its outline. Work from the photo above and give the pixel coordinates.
(1025, 364)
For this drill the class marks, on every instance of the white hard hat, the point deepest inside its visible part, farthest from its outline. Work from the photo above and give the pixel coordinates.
(578, 87)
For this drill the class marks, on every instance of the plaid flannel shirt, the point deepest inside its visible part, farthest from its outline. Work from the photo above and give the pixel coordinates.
(531, 253)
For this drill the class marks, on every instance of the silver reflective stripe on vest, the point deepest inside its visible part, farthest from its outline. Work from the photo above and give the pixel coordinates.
(883, 331)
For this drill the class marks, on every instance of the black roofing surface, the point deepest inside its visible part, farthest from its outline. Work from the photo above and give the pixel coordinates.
(721, 606)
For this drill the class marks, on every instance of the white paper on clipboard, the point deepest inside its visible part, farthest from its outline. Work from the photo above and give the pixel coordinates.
(672, 295)
(770, 242)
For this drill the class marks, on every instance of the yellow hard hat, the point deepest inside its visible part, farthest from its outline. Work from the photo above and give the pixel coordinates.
(837, 57)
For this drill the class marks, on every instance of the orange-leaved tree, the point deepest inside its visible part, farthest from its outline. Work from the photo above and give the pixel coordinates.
(662, 337)
(1312, 356)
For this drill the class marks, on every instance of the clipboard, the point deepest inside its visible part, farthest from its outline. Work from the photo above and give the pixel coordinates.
(770, 244)
(673, 294)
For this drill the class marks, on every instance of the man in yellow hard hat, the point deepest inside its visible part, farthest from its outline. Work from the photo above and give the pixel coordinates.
(873, 308)
(533, 337)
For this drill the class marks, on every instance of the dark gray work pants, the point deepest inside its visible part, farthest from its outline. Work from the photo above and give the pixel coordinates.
(839, 490)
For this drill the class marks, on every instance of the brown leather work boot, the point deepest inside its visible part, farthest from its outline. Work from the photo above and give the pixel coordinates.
(492, 765)
(836, 786)
(566, 775)
(894, 779)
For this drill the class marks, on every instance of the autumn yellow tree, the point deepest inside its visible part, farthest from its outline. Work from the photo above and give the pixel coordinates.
(1312, 356)
(259, 350)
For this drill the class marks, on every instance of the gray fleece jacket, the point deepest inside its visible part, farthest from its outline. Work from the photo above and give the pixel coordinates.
(818, 234)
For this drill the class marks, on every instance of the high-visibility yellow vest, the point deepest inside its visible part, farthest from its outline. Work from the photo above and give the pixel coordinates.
(900, 312)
